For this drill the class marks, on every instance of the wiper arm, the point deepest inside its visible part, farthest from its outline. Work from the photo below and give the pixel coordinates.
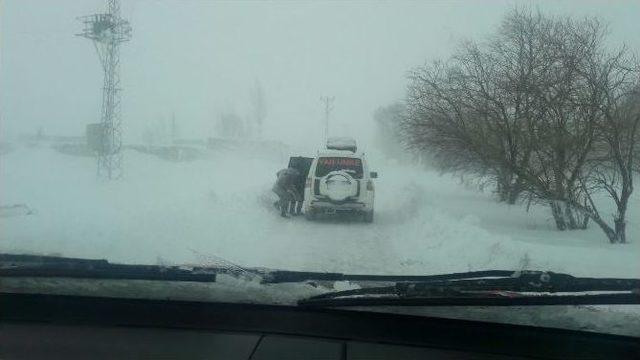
(53, 266)
(520, 288)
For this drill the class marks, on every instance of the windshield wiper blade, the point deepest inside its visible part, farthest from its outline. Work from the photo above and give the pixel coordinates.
(526, 281)
(284, 276)
(52, 266)
(521, 288)
(507, 280)
(627, 298)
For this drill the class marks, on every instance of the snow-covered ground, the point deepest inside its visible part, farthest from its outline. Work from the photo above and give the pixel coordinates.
(221, 207)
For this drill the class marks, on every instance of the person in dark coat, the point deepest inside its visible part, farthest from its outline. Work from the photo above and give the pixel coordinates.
(286, 189)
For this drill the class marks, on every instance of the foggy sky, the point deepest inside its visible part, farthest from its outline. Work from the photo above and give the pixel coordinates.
(198, 59)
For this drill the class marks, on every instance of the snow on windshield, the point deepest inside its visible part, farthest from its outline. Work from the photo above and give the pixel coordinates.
(483, 151)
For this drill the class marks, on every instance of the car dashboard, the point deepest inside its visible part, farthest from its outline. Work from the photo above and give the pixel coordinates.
(60, 326)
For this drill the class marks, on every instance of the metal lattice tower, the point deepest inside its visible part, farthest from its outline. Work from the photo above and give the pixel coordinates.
(107, 31)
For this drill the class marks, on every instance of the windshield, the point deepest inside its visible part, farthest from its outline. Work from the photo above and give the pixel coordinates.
(494, 136)
(349, 165)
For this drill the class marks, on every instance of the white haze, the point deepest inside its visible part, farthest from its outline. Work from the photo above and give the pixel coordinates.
(198, 59)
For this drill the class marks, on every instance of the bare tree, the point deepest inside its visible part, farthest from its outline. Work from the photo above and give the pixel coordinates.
(471, 111)
(615, 159)
(259, 107)
(528, 109)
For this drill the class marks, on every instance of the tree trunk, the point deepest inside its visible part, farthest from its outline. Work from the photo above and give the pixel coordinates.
(620, 225)
(615, 235)
(514, 192)
(566, 216)
(570, 217)
(501, 189)
(619, 221)
(558, 216)
(585, 222)
(611, 233)
(508, 190)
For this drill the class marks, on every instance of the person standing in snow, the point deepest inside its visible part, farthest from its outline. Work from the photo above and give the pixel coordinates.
(285, 188)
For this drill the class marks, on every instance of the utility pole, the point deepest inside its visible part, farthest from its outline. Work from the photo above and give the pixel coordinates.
(107, 31)
(328, 107)
(174, 128)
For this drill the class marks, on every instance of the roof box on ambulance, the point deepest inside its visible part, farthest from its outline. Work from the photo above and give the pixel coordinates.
(342, 143)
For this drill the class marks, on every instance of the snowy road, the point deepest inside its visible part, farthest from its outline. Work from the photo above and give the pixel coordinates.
(221, 207)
